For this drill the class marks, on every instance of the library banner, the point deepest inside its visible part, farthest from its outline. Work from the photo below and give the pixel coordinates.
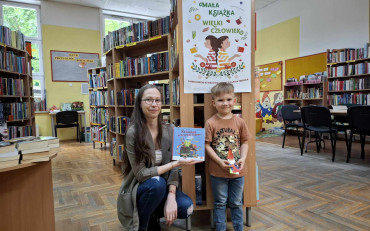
(217, 44)
(68, 66)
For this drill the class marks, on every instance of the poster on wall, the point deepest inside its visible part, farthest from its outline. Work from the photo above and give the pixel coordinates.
(216, 44)
(270, 76)
(67, 66)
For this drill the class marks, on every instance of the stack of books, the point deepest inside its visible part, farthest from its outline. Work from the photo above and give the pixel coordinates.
(39, 149)
(9, 156)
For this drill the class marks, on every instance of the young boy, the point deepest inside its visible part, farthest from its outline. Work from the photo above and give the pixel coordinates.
(226, 139)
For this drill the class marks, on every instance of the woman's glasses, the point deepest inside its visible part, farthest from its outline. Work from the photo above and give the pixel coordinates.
(150, 101)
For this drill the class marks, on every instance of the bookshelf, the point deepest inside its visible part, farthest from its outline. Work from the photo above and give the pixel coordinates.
(16, 95)
(307, 91)
(135, 56)
(349, 76)
(195, 109)
(98, 101)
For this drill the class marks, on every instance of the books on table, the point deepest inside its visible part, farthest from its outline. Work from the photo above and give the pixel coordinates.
(9, 155)
(188, 143)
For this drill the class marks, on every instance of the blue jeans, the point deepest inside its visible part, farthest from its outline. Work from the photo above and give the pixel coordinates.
(228, 191)
(151, 197)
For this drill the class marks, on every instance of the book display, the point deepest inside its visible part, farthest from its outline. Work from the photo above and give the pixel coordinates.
(135, 55)
(348, 76)
(308, 90)
(16, 95)
(98, 105)
(196, 108)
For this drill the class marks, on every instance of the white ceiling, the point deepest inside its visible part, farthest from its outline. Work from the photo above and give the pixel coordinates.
(153, 8)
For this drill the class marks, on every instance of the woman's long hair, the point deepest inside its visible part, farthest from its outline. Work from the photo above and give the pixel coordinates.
(138, 120)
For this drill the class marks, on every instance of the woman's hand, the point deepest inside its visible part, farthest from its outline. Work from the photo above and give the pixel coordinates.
(170, 209)
(183, 162)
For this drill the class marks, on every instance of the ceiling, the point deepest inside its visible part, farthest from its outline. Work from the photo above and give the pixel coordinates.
(153, 8)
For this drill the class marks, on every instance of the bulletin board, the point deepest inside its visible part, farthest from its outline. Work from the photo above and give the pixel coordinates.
(305, 65)
(270, 76)
(68, 66)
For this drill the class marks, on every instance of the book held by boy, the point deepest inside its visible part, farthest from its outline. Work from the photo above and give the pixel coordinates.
(188, 143)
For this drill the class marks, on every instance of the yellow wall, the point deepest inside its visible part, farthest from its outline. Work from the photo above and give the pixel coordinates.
(277, 43)
(65, 39)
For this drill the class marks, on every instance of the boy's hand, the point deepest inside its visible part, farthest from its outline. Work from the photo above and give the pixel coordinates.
(224, 164)
(241, 163)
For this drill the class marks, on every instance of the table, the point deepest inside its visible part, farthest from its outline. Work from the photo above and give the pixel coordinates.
(26, 197)
(81, 114)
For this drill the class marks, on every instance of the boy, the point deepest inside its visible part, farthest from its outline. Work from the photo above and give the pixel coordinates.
(226, 135)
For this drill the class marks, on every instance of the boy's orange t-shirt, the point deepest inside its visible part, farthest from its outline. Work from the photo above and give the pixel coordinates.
(225, 134)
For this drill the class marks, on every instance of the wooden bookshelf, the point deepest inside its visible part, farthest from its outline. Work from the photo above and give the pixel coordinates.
(304, 94)
(191, 112)
(348, 76)
(125, 73)
(16, 94)
(98, 92)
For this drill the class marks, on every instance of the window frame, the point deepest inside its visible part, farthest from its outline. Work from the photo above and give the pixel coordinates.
(34, 40)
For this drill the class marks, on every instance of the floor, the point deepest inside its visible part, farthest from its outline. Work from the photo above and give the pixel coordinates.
(297, 192)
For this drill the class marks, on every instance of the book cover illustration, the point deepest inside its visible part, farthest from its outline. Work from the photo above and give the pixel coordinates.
(188, 143)
(66, 107)
(234, 169)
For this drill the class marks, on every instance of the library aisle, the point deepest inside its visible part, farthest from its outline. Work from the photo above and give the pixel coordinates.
(296, 192)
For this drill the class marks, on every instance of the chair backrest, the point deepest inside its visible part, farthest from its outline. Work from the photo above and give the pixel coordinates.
(290, 112)
(359, 117)
(67, 117)
(316, 116)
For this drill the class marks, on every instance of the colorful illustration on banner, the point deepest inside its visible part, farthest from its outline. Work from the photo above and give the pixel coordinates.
(217, 37)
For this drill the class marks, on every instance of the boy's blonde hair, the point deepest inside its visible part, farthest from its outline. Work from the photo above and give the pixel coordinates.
(222, 88)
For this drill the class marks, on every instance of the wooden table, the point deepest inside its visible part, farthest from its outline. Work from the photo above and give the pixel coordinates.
(26, 197)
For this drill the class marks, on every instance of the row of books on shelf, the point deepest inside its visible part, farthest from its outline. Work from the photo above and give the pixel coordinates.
(176, 91)
(348, 54)
(352, 98)
(13, 111)
(98, 80)
(28, 149)
(12, 38)
(110, 71)
(119, 124)
(154, 63)
(10, 86)
(349, 69)
(312, 93)
(127, 96)
(99, 133)
(98, 98)
(315, 78)
(116, 149)
(10, 61)
(19, 131)
(174, 49)
(136, 32)
(348, 85)
(39, 105)
(99, 115)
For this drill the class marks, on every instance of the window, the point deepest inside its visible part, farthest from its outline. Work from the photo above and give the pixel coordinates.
(26, 19)
(113, 24)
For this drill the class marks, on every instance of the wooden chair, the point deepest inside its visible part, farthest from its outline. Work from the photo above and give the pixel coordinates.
(359, 123)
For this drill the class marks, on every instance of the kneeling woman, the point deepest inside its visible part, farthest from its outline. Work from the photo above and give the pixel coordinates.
(149, 187)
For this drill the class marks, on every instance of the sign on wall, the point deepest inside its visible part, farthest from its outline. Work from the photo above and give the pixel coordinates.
(216, 44)
(270, 76)
(67, 66)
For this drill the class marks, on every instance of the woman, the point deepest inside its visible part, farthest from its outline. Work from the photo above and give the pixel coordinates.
(149, 188)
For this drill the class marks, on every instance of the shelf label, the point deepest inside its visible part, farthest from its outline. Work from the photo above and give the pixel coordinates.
(155, 37)
(350, 61)
(131, 44)
(2, 44)
(121, 46)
